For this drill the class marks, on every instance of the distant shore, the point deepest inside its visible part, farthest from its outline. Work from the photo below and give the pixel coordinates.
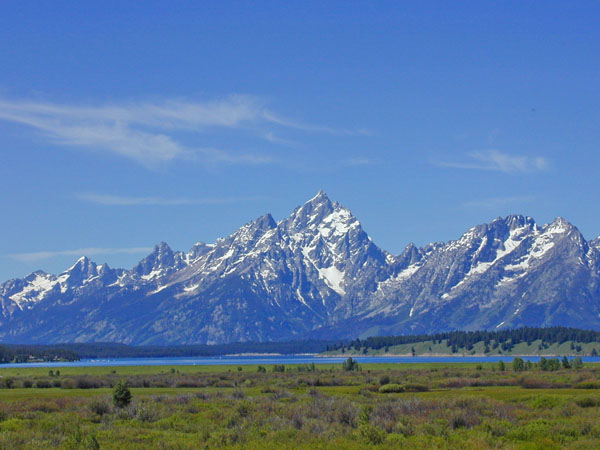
(444, 355)
(266, 354)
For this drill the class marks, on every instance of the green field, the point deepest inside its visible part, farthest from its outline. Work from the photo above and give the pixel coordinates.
(414, 406)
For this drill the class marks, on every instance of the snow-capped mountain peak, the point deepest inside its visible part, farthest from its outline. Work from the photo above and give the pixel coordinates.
(311, 213)
(312, 274)
(162, 261)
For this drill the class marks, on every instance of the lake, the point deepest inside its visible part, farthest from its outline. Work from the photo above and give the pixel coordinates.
(272, 359)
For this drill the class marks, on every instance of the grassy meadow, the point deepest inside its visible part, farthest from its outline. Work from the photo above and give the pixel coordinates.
(433, 348)
(413, 406)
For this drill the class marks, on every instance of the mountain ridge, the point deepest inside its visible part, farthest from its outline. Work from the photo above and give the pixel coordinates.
(315, 274)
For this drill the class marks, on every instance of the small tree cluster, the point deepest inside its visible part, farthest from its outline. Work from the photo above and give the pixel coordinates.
(552, 364)
(518, 365)
(350, 365)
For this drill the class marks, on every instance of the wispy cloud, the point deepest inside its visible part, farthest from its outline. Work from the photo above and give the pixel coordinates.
(498, 202)
(272, 137)
(90, 251)
(495, 160)
(147, 131)
(289, 123)
(118, 200)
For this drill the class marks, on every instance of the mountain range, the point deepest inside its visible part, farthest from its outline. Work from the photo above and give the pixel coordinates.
(316, 274)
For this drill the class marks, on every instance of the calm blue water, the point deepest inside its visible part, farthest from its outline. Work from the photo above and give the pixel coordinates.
(266, 360)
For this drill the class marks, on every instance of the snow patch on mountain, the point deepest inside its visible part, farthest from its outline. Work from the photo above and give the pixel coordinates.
(334, 278)
(338, 223)
(408, 272)
(35, 290)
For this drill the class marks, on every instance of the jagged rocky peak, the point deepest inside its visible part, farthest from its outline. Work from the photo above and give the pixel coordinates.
(312, 212)
(513, 227)
(515, 222)
(162, 259)
(410, 255)
(161, 254)
(251, 231)
(499, 230)
(83, 268)
(502, 227)
(17, 284)
(560, 226)
(566, 236)
(104, 269)
(265, 222)
(33, 275)
(199, 249)
(519, 221)
(321, 216)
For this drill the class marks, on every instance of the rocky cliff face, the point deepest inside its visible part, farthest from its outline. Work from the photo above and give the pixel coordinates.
(316, 273)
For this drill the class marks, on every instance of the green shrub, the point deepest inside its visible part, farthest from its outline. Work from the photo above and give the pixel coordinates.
(145, 412)
(78, 441)
(546, 402)
(243, 409)
(385, 379)
(497, 428)
(588, 402)
(91, 443)
(238, 394)
(577, 363)
(371, 434)
(533, 383)
(99, 407)
(588, 384)
(391, 388)
(87, 383)
(365, 414)
(68, 384)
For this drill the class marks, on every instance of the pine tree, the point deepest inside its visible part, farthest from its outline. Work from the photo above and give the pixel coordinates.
(121, 395)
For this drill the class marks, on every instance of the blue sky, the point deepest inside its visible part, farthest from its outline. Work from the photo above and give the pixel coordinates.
(123, 124)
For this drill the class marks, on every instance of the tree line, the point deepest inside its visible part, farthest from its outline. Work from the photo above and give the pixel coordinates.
(29, 353)
(505, 339)
(74, 352)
